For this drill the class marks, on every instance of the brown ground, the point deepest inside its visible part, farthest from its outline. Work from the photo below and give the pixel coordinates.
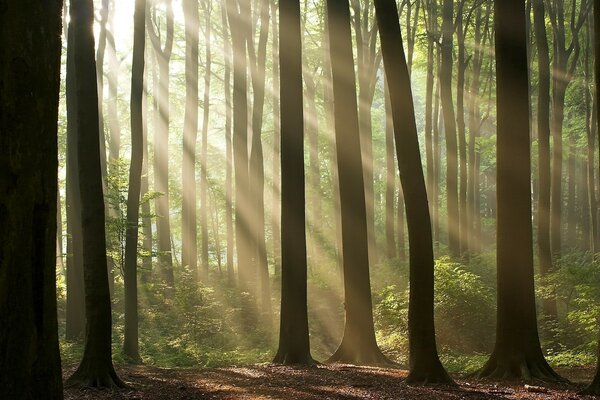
(267, 381)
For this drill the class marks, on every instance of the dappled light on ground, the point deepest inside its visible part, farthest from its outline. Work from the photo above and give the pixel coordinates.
(267, 381)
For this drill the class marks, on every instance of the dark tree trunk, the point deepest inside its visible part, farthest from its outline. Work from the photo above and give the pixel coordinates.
(517, 353)
(294, 347)
(449, 129)
(161, 146)
(189, 251)
(75, 312)
(424, 363)
(204, 141)
(96, 369)
(543, 128)
(358, 345)
(390, 186)
(130, 341)
(30, 81)
(594, 387)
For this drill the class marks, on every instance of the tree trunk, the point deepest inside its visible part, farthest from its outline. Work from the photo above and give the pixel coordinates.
(294, 347)
(30, 80)
(75, 307)
(390, 186)
(463, 225)
(276, 187)
(130, 341)
(358, 345)
(543, 125)
(228, 151)
(204, 149)
(95, 369)
(189, 251)
(449, 129)
(161, 147)
(424, 363)
(517, 353)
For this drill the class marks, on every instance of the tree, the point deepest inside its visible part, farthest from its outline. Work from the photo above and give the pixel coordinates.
(75, 307)
(424, 363)
(189, 234)
(30, 81)
(449, 128)
(130, 341)
(594, 387)
(543, 126)
(294, 347)
(95, 369)
(517, 352)
(358, 345)
(161, 144)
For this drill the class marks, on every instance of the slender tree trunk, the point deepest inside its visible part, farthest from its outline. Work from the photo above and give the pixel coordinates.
(461, 130)
(358, 345)
(517, 352)
(390, 186)
(228, 150)
(424, 363)
(161, 146)
(95, 369)
(130, 341)
(571, 193)
(543, 125)
(431, 11)
(189, 251)
(276, 187)
(449, 129)
(294, 347)
(30, 80)
(204, 149)
(146, 214)
(100, 55)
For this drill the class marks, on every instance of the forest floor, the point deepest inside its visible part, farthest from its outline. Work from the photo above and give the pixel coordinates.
(267, 381)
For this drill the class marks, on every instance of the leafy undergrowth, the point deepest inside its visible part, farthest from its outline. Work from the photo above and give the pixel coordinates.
(267, 381)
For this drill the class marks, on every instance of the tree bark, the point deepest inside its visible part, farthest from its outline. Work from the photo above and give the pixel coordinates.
(95, 369)
(294, 347)
(130, 341)
(358, 345)
(424, 363)
(517, 353)
(30, 80)
(390, 186)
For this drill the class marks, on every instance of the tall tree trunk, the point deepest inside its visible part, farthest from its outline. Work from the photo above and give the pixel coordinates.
(424, 363)
(100, 55)
(189, 250)
(146, 214)
(517, 352)
(437, 156)
(358, 345)
(449, 129)
(431, 15)
(228, 150)
(390, 186)
(130, 339)
(240, 144)
(543, 127)
(463, 225)
(276, 179)
(30, 80)
(95, 369)
(571, 193)
(258, 60)
(161, 145)
(204, 146)
(75, 307)
(294, 347)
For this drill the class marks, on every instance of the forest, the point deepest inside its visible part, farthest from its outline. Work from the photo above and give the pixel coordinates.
(299, 199)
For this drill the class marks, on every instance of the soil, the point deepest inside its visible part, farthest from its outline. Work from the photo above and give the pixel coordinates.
(268, 381)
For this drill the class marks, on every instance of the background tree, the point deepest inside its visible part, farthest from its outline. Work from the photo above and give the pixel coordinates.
(30, 81)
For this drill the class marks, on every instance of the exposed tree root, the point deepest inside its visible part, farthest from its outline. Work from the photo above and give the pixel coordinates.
(432, 373)
(518, 368)
(372, 357)
(104, 378)
(287, 358)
